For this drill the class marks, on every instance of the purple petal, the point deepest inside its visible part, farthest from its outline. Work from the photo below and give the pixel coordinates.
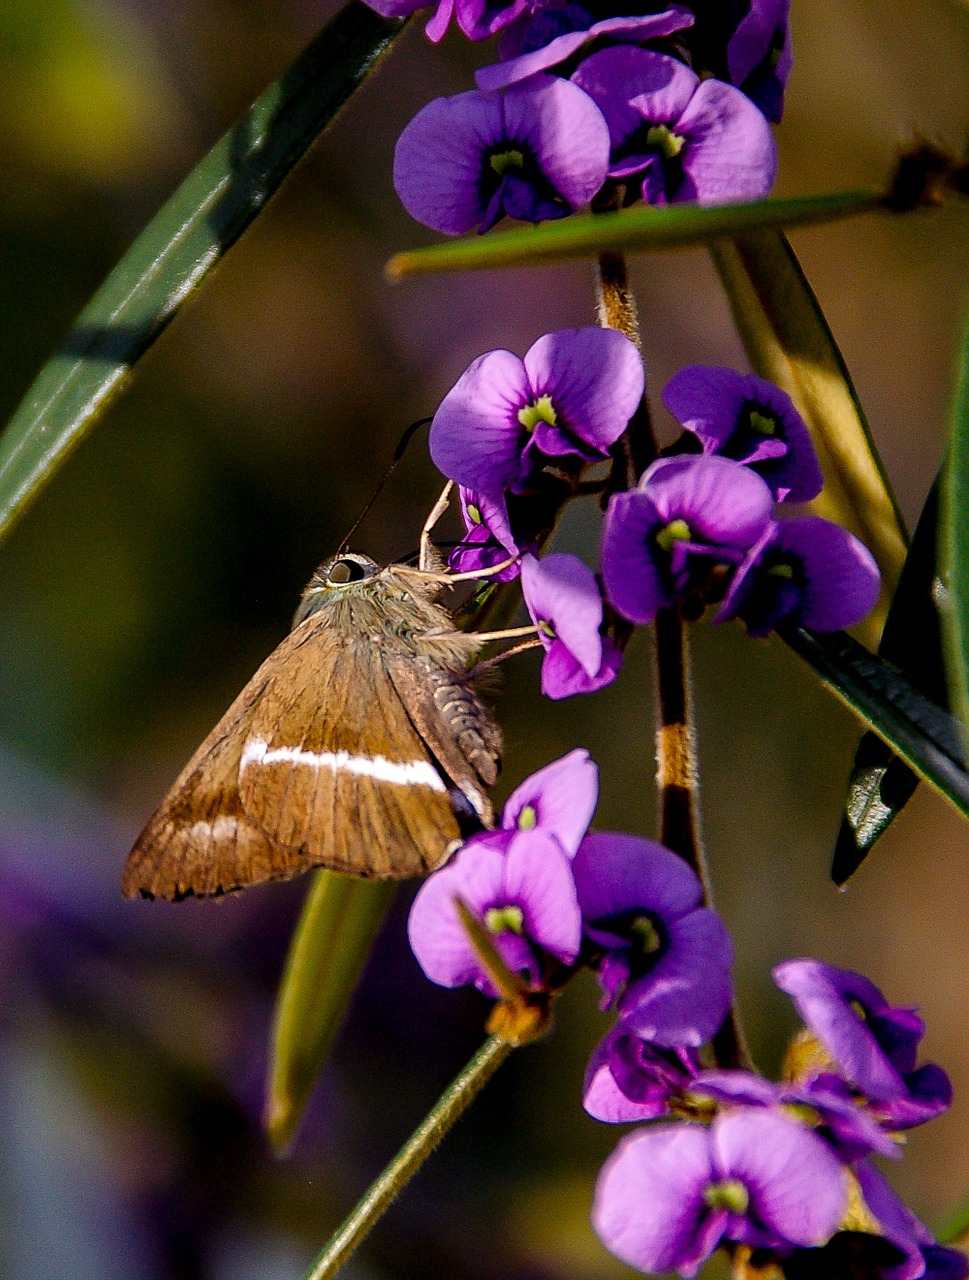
(438, 160)
(796, 1183)
(628, 1079)
(594, 378)
(398, 8)
(436, 933)
(562, 592)
(476, 438)
(479, 19)
(898, 1224)
(565, 132)
(752, 38)
(633, 583)
(724, 503)
(561, 798)
(564, 677)
(827, 1000)
(685, 998)
(716, 403)
(928, 1094)
(538, 877)
(613, 77)
(632, 30)
(730, 154)
(649, 1209)
(487, 540)
(617, 873)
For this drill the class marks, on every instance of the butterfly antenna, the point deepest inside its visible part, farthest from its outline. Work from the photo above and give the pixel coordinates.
(402, 444)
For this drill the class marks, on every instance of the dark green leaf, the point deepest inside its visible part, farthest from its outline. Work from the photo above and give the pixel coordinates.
(954, 542)
(641, 229)
(178, 249)
(336, 929)
(881, 784)
(926, 737)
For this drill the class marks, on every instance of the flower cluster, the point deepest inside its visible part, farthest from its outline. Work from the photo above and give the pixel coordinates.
(593, 103)
(782, 1169)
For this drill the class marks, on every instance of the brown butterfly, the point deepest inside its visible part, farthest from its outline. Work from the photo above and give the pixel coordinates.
(359, 745)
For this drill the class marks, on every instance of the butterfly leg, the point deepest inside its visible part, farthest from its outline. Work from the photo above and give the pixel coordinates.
(426, 558)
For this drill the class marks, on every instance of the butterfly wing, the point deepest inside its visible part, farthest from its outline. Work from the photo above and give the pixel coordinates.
(200, 841)
(332, 765)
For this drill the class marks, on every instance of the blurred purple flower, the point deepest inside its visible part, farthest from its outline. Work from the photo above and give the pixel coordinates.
(808, 573)
(488, 539)
(628, 1078)
(666, 958)
(681, 533)
(759, 55)
(478, 19)
(563, 599)
(669, 1194)
(544, 38)
(538, 150)
(559, 799)
(922, 1255)
(751, 421)
(826, 1103)
(682, 138)
(872, 1042)
(571, 397)
(523, 894)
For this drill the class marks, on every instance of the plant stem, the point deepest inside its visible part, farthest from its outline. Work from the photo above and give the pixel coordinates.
(451, 1105)
(677, 778)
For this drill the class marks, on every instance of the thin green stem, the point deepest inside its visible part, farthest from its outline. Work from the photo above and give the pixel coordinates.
(451, 1105)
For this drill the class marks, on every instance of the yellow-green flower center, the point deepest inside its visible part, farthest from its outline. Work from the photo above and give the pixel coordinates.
(762, 423)
(646, 933)
(504, 920)
(539, 410)
(545, 628)
(665, 141)
(675, 531)
(474, 514)
(731, 1194)
(528, 818)
(507, 161)
(781, 570)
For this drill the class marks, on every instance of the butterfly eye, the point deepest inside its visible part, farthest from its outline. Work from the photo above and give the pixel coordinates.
(344, 571)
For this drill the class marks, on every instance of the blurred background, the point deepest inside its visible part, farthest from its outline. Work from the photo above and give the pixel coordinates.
(166, 559)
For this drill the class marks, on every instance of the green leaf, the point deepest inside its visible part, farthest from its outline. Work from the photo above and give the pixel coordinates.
(881, 784)
(926, 737)
(954, 542)
(179, 248)
(788, 341)
(336, 929)
(641, 229)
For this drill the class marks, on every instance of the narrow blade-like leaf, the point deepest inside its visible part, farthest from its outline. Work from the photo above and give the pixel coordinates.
(788, 341)
(954, 542)
(881, 784)
(338, 924)
(178, 249)
(641, 229)
(926, 737)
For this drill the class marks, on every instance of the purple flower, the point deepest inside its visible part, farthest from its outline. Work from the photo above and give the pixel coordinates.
(872, 1042)
(759, 55)
(524, 896)
(536, 151)
(478, 19)
(546, 37)
(806, 573)
(921, 1255)
(562, 597)
(488, 538)
(628, 1078)
(682, 138)
(679, 535)
(505, 418)
(751, 421)
(669, 1194)
(666, 958)
(826, 1103)
(559, 799)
